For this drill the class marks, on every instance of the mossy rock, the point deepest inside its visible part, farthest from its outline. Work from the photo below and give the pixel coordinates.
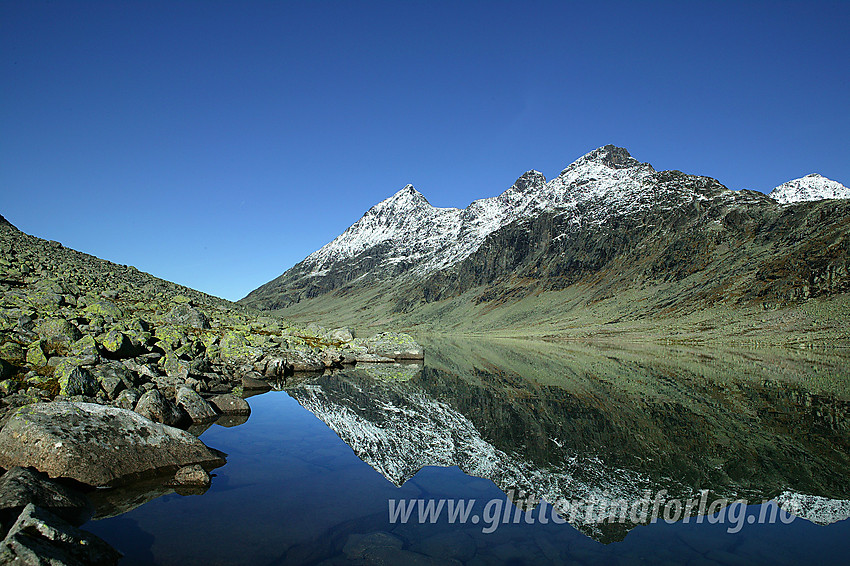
(12, 352)
(170, 337)
(106, 309)
(116, 345)
(75, 380)
(235, 348)
(84, 347)
(36, 355)
(58, 329)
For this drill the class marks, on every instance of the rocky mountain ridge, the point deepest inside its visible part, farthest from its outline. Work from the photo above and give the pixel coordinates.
(607, 224)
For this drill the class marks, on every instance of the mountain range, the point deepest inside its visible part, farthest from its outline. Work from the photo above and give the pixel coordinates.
(610, 240)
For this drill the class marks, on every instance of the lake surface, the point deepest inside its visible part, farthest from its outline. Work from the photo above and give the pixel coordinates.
(558, 454)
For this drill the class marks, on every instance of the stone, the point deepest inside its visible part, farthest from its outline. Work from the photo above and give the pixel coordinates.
(254, 383)
(86, 348)
(117, 345)
(395, 345)
(113, 377)
(195, 476)
(343, 335)
(229, 404)
(106, 309)
(155, 406)
(39, 537)
(36, 356)
(197, 408)
(235, 349)
(74, 379)
(302, 361)
(97, 445)
(58, 330)
(127, 399)
(174, 367)
(22, 486)
(185, 314)
(12, 352)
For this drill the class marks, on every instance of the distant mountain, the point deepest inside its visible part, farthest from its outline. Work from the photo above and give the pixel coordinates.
(610, 239)
(810, 187)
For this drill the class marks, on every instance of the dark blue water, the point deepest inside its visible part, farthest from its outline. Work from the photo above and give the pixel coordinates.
(292, 492)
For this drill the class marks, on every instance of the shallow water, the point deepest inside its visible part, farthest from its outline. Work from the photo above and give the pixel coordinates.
(559, 423)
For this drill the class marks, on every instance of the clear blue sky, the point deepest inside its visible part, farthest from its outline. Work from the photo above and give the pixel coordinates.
(216, 144)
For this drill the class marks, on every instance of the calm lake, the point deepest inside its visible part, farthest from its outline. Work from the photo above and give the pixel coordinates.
(513, 452)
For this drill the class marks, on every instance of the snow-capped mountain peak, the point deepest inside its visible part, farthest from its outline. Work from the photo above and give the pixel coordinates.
(811, 187)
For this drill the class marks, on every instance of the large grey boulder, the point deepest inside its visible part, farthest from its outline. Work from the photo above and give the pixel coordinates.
(58, 330)
(97, 445)
(39, 538)
(198, 409)
(229, 404)
(395, 345)
(157, 407)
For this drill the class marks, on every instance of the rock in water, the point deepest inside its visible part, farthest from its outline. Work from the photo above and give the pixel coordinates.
(97, 445)
(195, 476)
(229, 404)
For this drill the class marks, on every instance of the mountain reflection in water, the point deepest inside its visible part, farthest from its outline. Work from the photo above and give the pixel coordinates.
(572, 422)
(536, 420)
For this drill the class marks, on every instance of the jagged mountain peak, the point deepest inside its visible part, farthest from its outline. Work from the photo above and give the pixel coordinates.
(813, 186)
(408, 198)
(610, 156)
(530, 180)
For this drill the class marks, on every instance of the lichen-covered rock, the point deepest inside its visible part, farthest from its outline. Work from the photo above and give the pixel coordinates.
(117, 345)
(155, 406)
(58, 330)
(198, 409)
(106, 309)
(36, 355)
(127, 399)
(74, 379)
(97, 445)
(396, 345)
(186, 315)
(235, 349)
(12, 352)
(39, 538)
(86, 348)
(229, 404)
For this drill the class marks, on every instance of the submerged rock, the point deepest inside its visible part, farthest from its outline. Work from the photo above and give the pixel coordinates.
(97, 445)
(195, 476)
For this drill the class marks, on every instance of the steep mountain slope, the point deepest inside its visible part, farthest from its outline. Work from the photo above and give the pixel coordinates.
(608, 240)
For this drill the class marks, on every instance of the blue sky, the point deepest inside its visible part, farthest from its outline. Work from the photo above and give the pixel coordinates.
(216, 144)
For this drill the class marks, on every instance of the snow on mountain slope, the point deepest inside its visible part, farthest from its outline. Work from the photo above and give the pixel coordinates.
(410, 230)
(810, 187)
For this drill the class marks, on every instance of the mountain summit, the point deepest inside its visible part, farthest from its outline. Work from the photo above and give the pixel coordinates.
(608, 228)
(808, 188)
